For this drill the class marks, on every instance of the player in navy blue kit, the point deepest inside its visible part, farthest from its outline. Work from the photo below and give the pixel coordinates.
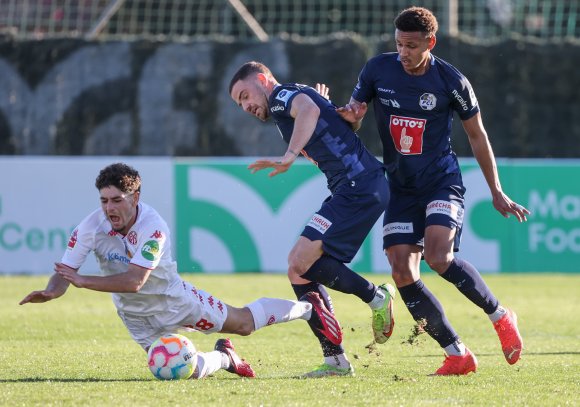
(311, 126)
(414, 95)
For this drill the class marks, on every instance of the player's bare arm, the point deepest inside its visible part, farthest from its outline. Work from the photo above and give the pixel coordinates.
(484, 155)
(305, 113)
(130, 281)
(55, 288)
(353, 112)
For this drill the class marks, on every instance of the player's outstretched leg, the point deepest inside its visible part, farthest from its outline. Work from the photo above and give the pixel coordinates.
(383, 320)
(322, 319)
(237, 365)
(509, 336)
(458, 365)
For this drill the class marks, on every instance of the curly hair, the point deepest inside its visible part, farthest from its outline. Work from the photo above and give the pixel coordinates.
(121, 176)
(414, 19)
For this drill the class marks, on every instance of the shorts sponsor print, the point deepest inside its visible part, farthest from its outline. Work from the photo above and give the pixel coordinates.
(450, 209)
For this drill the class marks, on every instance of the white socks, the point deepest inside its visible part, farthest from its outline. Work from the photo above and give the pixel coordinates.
(269, 311)
(378, 300)
(496, 316)
(455, 349)
(339, 361)
(209, 363)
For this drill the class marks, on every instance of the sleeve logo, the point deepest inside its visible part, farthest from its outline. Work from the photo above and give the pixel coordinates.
(284, 95)
(72, 241)
(150, 250)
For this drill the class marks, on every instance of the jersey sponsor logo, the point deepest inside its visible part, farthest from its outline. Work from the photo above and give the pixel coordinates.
(72, 241)
(427, 101)
(446, 208)
(386, 90)
(460, 99)
(284, 95)
(390, 102)
(319, 223)
(150, 250)
(277, 108)
(116, 257)
(407, 134)
(132, 237)
(397, 227)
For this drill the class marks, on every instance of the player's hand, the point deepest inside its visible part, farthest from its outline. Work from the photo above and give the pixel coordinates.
(504, 205)
(280, 165)
(353, 112)
(69, 274)
(323, 90)
(38, 297)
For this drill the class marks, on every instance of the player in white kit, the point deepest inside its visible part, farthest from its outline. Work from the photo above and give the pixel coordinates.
(132, 244)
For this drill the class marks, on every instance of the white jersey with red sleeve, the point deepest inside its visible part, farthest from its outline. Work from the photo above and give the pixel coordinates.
(147, 245)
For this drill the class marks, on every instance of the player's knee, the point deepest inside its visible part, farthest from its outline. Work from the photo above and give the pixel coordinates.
(401, 276)
(438, 262)
(295, 268)
(246, 329)
(240, 322)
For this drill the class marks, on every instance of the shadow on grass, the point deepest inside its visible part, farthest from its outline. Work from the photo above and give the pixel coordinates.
(524, 353)
(61, 380)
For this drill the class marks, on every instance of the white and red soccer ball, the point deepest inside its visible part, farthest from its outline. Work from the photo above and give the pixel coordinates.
(172, 357)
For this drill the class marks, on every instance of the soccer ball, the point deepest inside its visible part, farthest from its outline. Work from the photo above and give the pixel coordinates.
(172, 357)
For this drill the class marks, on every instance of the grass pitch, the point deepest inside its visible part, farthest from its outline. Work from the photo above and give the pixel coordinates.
(75, 351)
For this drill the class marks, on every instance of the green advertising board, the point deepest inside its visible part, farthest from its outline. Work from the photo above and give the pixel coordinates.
(229, 220)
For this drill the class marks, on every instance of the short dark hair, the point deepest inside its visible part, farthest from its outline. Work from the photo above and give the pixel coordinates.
(249, 68)
(414, 19)
(121, 176)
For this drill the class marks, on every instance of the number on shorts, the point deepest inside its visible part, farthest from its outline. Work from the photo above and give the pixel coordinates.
(203, 325)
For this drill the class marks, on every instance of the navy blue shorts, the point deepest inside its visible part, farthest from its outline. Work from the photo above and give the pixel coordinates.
(409, 214)
(346, 217)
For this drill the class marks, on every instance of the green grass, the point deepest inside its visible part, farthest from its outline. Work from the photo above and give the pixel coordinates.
(75, 351)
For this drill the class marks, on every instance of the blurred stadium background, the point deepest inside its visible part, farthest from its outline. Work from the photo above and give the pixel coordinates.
(484, 20)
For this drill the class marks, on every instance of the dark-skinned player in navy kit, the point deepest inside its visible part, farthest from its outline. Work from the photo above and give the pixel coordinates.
(310, 125)
(414, 95)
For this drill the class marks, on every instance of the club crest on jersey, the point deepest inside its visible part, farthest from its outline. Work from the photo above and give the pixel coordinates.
(427, 101)
(319, 223)
(284, 95)
(407, 134)
(132, 237)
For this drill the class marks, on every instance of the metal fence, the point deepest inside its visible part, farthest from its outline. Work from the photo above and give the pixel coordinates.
(487, 20)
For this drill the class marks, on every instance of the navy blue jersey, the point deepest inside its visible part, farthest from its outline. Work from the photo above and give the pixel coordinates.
(334, 147)
(414, 116)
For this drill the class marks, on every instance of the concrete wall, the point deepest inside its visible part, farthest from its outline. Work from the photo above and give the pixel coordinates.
(71, 97)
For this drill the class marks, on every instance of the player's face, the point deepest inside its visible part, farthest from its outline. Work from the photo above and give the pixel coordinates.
(414, 50)
(251, 96)
(120, 208)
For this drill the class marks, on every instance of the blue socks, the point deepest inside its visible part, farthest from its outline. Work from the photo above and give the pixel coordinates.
(428, 312)
(331, 273)
(467, 279)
